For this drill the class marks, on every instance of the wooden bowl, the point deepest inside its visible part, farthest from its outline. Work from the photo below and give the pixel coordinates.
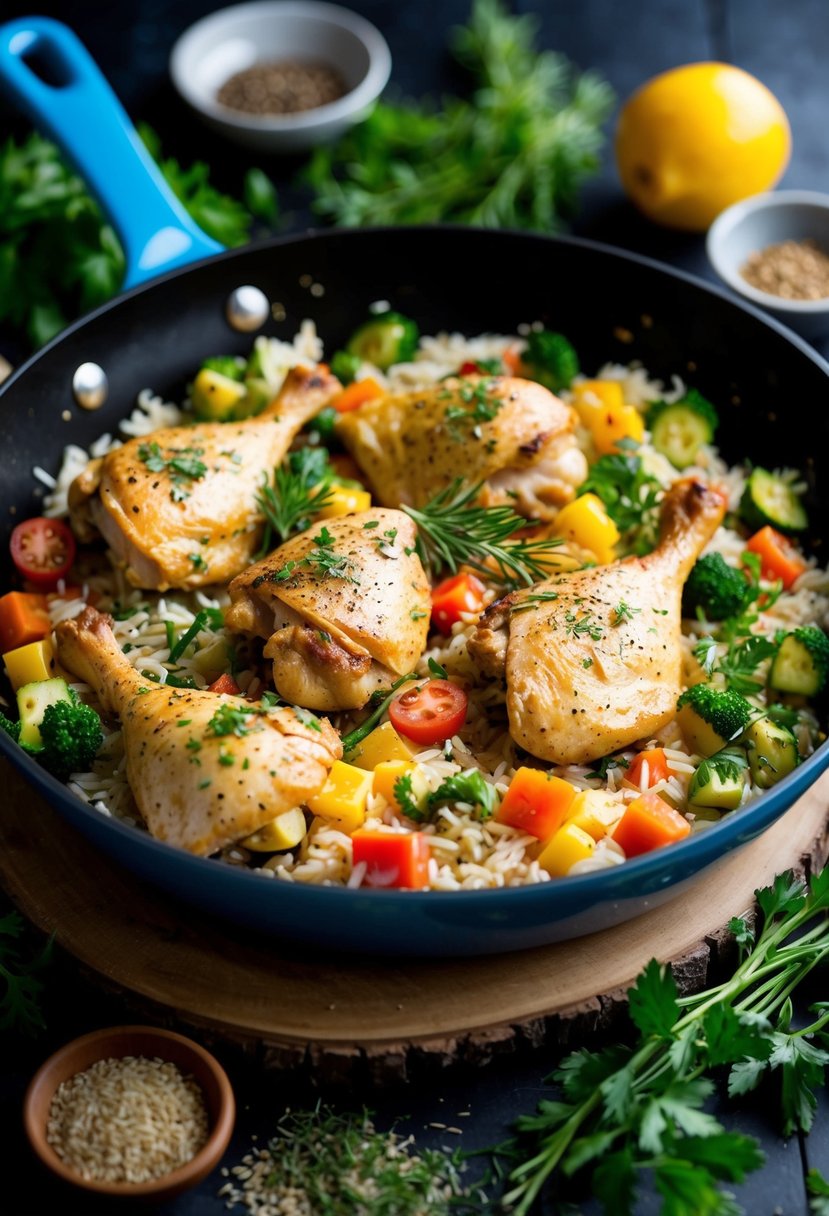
(115, 1043)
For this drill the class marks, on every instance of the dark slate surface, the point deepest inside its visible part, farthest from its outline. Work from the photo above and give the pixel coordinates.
(787, 45)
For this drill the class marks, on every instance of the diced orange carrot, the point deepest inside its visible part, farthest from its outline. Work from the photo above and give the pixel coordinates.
(24, 618)
(778, 555)
(461, 593)
(657, 764)
(357, 394)
(511, 359)
(649, 823)
(393, 859)
(225, 684)
(536, 802)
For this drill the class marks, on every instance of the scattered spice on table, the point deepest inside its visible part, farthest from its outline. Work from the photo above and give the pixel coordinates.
(793, 270)
(285, 87)
(320, 1162)
(127, 1120)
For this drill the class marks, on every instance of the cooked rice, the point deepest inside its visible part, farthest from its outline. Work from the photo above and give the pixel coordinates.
(465, 852)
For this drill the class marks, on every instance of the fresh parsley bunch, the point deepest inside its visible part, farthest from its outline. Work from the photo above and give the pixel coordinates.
(512, 156)
(628, 1109)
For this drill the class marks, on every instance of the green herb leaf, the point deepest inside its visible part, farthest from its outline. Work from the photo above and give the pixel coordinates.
(652, 1001)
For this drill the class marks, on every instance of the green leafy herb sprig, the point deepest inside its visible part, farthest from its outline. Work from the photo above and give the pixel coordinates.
(630, 495)
(625, 1110)
(454, 532)
(512, 156)
(301, 486)
(58, 257)
(20, 985)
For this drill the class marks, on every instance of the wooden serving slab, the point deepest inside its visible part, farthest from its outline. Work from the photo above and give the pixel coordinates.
(380, 1018)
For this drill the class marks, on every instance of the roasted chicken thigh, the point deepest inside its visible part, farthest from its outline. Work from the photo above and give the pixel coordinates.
(206, 770)
(345, 607)
(178, 509)
(593, 658)
(511, 434)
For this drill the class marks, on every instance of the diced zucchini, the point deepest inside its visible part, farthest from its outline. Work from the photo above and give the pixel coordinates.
(800, 665)
(679, 431)
(284, 832)
(32, 702)
(768, 499)
(719, 782)
(772, 752)
(215, 396)
(258, 394)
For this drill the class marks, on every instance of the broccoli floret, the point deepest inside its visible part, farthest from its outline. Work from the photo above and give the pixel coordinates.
(11, 728)
(226, 365)
(551, 360)
(71, 734)
(718, 589)
(725, 711)
(386, 339)
(345, 366)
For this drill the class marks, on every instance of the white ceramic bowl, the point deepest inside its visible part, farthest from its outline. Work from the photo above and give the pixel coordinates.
(233, 39)
(767, 219)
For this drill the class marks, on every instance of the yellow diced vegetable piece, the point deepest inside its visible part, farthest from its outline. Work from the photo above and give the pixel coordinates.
(343, 797)
(27, 664)
(609, 425)
(215, 395)
(595, 812)
(382, 744)
(281, 833)
(344, 501)
(569, 845)
(388, 772)
(595, 395)
(586, 522)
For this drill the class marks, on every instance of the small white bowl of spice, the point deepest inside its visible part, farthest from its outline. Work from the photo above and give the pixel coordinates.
(773, 249)
(281, 75)
(130, 1111)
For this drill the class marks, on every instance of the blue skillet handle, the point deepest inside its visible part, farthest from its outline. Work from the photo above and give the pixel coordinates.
(78, 109)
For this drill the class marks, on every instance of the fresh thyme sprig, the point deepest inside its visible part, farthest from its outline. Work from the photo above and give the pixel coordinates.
(301, 487)
(629, 1109)
(454, 532)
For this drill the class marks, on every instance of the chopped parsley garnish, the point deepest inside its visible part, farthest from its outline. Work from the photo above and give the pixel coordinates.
(470, 787)
(233, 720)
(417, 614)
(198, 563)
(586, 663)
(307, 718)
(322, 561)
(605, 764)
(624, 612)
(579, 626)
(183, 465)
(475, 403)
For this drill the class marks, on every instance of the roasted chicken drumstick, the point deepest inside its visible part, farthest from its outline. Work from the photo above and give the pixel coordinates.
(178, 508)
(206, 770)
(593, 658)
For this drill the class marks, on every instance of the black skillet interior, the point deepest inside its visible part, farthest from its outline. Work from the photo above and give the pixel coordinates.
(770, 387)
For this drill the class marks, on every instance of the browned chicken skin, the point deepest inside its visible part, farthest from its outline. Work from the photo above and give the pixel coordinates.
(195, 788)
(512, 434)
(593, 658)
(178, 508)
(342, 624)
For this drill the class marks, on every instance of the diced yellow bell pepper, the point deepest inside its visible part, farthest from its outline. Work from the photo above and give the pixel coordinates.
(608, 426)
(388, 772)
(344, 501)
(592, 396)
(281, 833)
(27, 664)
(569, 845)
(586, 522)
(214, 395)
(595, 812)
(382, 744)
(342, 799)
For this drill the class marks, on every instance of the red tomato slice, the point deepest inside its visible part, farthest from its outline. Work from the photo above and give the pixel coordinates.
(43, 550)
(225, 684)
(430, 713)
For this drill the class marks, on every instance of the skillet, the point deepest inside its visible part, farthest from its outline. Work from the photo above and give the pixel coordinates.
(770, 387)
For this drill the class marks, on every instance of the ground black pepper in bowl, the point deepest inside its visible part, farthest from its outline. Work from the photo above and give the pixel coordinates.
(288, 86)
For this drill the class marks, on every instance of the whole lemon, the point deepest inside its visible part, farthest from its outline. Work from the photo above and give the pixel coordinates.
(697, 138)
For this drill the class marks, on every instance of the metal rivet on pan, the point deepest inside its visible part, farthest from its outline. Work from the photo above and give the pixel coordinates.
(90, 386)
(247, 309)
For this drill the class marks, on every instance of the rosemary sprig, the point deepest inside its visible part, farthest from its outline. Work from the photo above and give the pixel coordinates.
(301, 487)
(453, 532)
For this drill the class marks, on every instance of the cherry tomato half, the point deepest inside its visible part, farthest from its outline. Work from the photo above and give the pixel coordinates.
(456, 595)
(225, 684)
(43, 550)
(430, 713)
